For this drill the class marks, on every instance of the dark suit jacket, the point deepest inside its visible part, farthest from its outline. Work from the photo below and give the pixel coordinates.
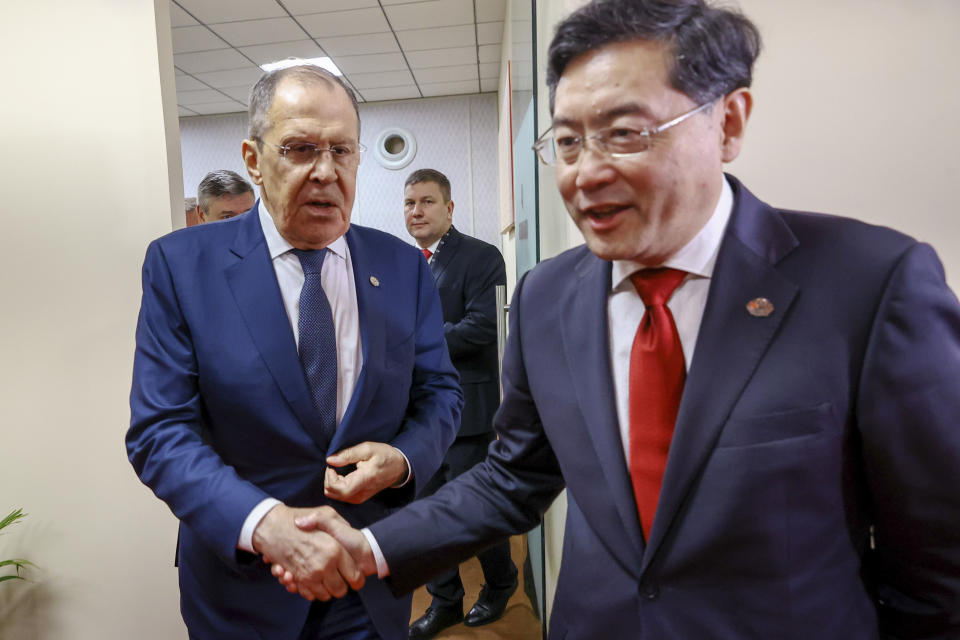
(467, 271)
(797, 434)
(220, 408)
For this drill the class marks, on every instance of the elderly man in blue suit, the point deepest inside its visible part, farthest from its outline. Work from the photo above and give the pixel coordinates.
(754, 410)
(288, 359)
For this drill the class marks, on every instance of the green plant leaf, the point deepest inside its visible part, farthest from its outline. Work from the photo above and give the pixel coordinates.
(14, 515)
(16, 562)
(5, 578)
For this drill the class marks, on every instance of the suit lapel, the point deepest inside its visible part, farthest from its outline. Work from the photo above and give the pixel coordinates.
(730, 344)
(372, 310)
(253, 282)
(445, 253)
(586, 346)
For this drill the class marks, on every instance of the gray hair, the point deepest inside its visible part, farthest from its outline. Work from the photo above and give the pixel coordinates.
(261, 96)
(430, 175)
(713, 48)
(220, 183)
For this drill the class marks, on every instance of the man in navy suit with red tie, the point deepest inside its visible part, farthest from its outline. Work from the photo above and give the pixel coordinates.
(287, 359)
(754, 410)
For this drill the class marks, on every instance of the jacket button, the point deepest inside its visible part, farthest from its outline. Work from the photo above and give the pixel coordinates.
(649, 591)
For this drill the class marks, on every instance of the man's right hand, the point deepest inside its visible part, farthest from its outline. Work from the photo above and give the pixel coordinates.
(326, 521)
(319, 566)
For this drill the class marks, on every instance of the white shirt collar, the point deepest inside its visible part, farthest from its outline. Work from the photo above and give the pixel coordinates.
(278, 245)
(698, 256)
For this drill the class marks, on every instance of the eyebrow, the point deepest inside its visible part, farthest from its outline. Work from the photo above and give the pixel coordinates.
(626, 109)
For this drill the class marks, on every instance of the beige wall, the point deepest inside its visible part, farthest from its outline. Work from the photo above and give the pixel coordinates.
(87, 182)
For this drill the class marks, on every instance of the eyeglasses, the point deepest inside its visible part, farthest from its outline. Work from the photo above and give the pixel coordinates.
(616, 142)
(304, 153)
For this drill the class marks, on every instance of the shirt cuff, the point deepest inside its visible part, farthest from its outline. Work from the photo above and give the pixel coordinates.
(409, 473)
(256, 515)
(382, 569)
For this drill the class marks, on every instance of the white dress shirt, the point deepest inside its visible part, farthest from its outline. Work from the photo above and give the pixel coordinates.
(336, 278)
(625, 308)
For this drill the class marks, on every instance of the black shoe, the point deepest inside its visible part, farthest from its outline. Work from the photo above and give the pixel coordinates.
(490, 605)
(435, 620)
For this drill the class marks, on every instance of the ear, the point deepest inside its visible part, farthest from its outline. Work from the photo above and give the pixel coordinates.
(736, 111)
(450, 210)
(251, 158)
(202, 218)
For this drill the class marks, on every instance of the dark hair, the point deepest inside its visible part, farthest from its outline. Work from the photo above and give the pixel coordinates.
(430, 175)
(220, 183)
(713, 48)
(261, 96)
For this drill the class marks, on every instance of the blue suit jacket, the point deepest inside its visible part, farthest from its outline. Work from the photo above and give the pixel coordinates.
(220, 409)
(801, 436)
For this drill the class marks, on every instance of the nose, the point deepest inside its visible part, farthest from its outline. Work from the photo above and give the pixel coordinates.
(594, 168)
(324, 168)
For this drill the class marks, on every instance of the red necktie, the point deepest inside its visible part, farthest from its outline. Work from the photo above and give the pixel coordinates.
(657, 373)
(427, 253)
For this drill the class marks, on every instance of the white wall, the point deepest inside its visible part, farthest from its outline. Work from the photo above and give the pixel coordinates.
(456, 135)
(86, 184)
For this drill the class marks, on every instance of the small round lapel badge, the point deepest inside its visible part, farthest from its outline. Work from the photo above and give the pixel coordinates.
(760, 307)
(374, 281)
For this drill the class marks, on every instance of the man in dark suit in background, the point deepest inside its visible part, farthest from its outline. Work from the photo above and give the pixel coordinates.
(466, 271)
(286, 358)
(754, 410)
(223, 194)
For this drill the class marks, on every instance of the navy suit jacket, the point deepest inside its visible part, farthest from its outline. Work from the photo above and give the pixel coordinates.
(467, 272)
(221, 409)
(812, 488)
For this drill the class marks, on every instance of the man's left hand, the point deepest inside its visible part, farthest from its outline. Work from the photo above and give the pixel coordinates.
(379, 466)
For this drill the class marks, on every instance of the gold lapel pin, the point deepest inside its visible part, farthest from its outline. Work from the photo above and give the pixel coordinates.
(374, 281)
(760, 307)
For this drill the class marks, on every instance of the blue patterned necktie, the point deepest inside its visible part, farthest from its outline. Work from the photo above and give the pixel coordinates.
(318, 342)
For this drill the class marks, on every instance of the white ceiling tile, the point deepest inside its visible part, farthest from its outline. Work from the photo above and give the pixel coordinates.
(488, 53)
(217, 60)
(491, 10)
(249, 32)
(436, 13)
(232, 78)
(489, 70)
(360, 45)
(446, 74)
(240, 94)
(182, 111)
(218, 107)
(179, 17)
(489, 33)
(189, 83)
(489, 84)
(178, 72)
(263, 53)
(389, 2)
(363, 81)
(371, 63)
(211, 11)
(450, 88)
(442, 57)
(300, 7)
(344, 23)
(441, 38)
(206, 96)
(391, 93)
(198, 38)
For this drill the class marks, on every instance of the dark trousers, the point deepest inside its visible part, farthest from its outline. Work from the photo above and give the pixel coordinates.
(498, 569)
(343, 619)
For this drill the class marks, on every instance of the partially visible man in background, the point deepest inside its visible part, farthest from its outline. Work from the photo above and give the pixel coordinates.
(467, 272)
(223, 194)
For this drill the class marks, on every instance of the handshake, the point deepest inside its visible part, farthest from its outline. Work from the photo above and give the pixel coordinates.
(314, 552)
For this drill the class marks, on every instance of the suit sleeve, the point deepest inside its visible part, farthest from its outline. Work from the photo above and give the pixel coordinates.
(909, 420)
(478, 326)
(165, 442)
(504, 495)
(433, 411)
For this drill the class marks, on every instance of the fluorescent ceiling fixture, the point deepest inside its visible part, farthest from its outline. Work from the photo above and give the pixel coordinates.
(324, 62)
